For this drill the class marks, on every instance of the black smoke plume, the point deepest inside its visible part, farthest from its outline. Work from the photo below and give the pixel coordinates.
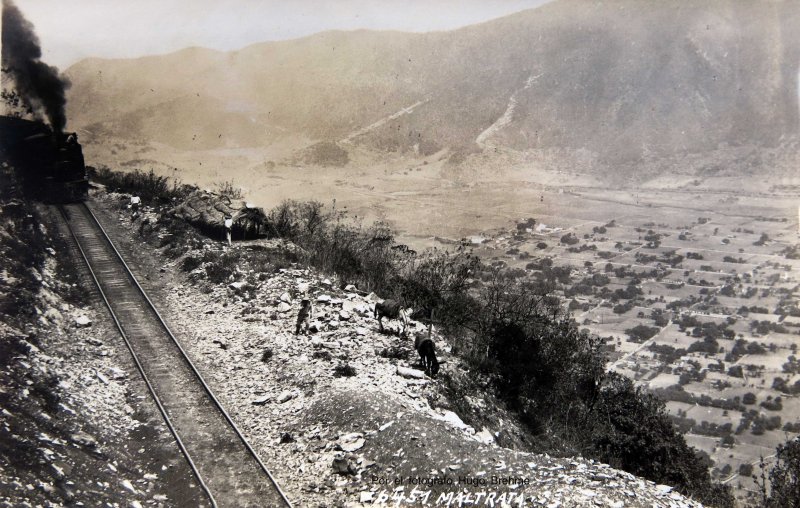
(39, 85)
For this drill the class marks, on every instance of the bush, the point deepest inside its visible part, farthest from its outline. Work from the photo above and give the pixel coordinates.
(641, 333)
(771, 404)
(635, 434)
(569, 239)
(228, 190)
(736, 371)
(220, 267)
(190, 263)
(440, 281)
(545, 368)
(344, 370)
(785, 476)
(149, 186)
(362, 257)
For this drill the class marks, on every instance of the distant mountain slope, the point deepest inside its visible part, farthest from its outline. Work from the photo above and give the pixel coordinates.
(621, 78)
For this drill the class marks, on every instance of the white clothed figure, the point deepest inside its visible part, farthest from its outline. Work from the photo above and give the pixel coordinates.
(228, 227)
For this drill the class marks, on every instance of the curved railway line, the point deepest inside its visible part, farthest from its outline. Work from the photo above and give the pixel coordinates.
(228, 469)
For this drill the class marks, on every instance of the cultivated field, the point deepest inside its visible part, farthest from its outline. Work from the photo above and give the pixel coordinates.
(698, 301)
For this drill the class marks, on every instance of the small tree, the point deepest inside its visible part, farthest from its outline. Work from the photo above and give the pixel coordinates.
(634, 433)
(439, 282)
(785, 476)
(543, 365)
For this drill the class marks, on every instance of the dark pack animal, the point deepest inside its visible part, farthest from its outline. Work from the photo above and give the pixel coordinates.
(427, 353)
(304, 317)
(391, 309)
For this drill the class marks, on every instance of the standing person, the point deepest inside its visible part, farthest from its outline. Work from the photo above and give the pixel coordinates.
(228, 227)
(136, 202)
(304, 316)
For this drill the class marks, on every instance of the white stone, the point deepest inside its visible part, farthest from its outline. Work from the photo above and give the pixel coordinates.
(453, 419)
(484, 436)
(83, 439)
(128, 485)
(284, 307)
(260, 401)
(349, 306)
(116, 373)
(83, 321)
(351, 442)
(412, 373)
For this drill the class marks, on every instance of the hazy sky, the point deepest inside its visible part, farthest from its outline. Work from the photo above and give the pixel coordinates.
(73, 29)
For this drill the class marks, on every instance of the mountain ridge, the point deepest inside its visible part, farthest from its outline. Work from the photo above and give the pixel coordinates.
(621, 79)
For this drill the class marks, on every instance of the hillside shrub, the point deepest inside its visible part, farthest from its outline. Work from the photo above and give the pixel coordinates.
(544, 366)
(785, 476)
(149, 186)
(634, 433)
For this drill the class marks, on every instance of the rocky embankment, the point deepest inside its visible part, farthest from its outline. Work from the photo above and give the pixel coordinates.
(343, 416)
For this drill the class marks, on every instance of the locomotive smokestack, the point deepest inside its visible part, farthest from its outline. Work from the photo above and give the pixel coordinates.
(39, 85)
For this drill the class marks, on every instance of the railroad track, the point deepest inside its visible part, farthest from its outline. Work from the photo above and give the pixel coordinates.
(227, 467)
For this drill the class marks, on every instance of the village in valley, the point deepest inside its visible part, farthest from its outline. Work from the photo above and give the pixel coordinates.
(698, 307)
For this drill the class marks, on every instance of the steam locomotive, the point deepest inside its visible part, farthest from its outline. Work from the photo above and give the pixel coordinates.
(49, 164)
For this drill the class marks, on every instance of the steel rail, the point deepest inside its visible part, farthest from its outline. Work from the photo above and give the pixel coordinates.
(138, 364)
(185, 357)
